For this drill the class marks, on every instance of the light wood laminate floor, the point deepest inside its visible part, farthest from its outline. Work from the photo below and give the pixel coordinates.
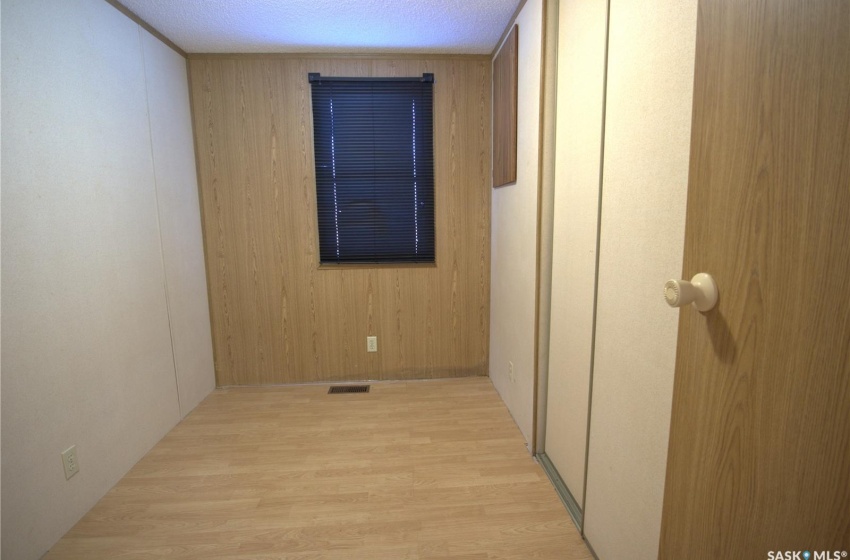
(411, 470)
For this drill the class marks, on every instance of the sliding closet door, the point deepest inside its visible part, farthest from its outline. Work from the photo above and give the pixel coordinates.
(644, 191)
(581, 68)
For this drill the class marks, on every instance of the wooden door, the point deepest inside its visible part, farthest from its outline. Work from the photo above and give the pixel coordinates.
(759, 456)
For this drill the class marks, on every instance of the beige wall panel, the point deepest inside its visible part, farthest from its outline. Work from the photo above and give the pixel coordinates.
(647, 153)
(581, 68)
(278, 317)
(89, 131)
(179, 220)
(514, 268)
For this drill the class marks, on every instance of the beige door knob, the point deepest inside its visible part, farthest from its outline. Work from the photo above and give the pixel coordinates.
(701, 291)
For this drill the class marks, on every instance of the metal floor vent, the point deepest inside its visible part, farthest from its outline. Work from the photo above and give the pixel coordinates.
(337, 389)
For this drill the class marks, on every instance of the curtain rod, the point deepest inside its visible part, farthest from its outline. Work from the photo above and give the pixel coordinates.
(317, 77)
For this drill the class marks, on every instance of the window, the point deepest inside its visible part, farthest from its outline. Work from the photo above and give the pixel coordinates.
(374, 168)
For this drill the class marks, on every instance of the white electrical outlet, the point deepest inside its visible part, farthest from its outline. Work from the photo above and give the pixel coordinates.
(511, 371)
(371, 343)
(69, 461)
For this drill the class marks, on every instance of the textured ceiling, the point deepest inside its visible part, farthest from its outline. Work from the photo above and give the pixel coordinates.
(363, 26)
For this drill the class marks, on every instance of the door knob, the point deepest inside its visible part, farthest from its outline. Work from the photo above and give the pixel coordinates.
(701, 291)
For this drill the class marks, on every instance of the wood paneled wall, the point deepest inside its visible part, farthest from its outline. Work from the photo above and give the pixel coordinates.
(277, 316)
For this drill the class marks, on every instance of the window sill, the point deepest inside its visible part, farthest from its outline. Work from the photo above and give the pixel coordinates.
(357, 266)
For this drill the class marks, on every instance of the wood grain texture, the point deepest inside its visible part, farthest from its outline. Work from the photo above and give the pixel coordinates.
(760, 440)
(416, 470)
(277, 316)
(505, 72)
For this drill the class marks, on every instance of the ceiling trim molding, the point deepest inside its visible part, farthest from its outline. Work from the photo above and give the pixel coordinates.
(146, 26)
(507, 30)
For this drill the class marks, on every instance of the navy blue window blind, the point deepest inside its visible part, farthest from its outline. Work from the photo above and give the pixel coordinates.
(374, 151)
